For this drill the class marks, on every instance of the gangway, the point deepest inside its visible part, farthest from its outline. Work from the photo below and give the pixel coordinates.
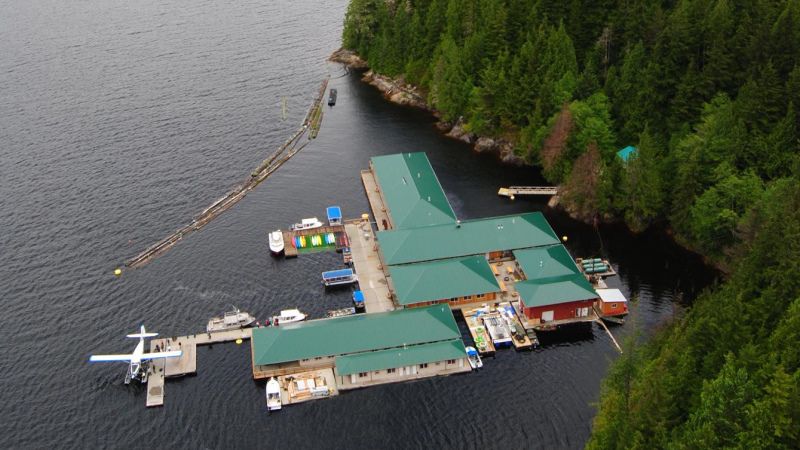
(513, 191)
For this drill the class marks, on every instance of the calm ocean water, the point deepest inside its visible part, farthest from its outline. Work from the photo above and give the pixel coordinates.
(121, 120)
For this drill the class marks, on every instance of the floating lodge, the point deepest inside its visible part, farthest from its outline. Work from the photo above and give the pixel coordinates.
(509, 276)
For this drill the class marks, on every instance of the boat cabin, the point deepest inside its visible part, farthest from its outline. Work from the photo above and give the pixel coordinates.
(358, 299)
(338, 277)
(334, 215)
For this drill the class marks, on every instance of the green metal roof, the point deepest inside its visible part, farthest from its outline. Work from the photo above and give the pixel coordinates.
(400, 357)
(471, 237)
(443, 279)
(545, 262)
(552, 291)
(353, 334)
(412, 192)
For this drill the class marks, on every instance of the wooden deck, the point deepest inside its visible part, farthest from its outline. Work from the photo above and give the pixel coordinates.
(608, 273)
(513, 191)
(519, 344)
(379, 210)
(160, 369)
(289, 249)
(290, 394)
(479, 333)
(372, 280)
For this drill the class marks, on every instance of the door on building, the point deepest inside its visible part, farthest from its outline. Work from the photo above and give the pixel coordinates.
(547, 316)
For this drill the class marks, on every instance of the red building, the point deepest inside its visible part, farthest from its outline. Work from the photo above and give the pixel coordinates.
(557, 300)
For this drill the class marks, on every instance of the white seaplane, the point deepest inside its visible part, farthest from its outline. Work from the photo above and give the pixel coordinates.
(138, 360)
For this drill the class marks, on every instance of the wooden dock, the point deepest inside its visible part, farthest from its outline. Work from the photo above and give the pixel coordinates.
(160, 369)
(610, 272)
(483, 342)
(290, 251)
(295, 387)
(524, 343)
(372, 280)
(379, 210)
(513, 191)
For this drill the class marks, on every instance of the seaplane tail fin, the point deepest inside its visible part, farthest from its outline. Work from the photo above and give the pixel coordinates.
(109, 358)
(142, 334)
(172, 354)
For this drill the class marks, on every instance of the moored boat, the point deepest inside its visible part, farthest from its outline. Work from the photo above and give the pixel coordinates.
(273, 395)
(334, 215)
(498, 330)
(288, 316)
(474, 358)
(307, 224)
(276, 245)
(358, 300)
(332, 97)
(342, 312)
(339, 277)
(231, 320)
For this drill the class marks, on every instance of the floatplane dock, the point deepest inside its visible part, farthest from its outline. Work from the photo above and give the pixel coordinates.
(160, 369)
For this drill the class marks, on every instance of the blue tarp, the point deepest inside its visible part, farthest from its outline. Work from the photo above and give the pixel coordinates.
(334, 212)
(337, 273)
(472, 352)
(626, 153)
(358, 297)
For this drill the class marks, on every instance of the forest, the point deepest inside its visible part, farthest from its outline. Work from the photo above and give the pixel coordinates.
(707, 92)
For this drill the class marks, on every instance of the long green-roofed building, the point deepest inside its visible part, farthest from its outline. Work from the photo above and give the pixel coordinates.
(411, 191)
(388, 342)
(470, 237)
(443, 280)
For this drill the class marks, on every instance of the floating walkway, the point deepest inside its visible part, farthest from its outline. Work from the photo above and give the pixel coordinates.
(160, 369)
(309, 127)
(367, 264)
(513, 191)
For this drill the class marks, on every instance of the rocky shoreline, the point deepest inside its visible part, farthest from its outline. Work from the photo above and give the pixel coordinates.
(396, 90)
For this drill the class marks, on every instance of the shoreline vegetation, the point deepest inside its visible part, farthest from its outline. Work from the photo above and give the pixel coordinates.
(706, 93)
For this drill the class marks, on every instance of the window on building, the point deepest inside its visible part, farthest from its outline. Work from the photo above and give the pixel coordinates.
(451, 361)
(454, 299)
(613, 306)
(423, 366)
(362, 374)
(391, 370)
(480, 296)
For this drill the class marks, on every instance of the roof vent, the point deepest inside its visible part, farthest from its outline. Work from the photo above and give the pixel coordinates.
(404, 181)
(419, 175)
(429, 198)
(458, 223)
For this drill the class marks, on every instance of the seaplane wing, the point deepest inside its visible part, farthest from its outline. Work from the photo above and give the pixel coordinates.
(172, 354)
(109, 358)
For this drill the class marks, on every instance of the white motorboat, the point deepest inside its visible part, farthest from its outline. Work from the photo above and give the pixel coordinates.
(276, 242)
(231, 320)
(474, 358)
(273, 395)
(288, 316)
(307, 224)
